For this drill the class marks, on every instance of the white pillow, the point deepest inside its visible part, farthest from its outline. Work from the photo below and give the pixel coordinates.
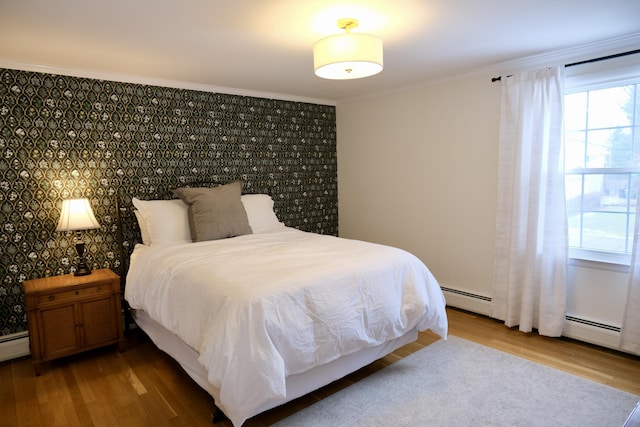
(166, 221)
(144, 230)
(259, 208)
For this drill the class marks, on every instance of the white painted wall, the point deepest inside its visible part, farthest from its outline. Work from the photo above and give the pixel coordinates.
(417, 169)
(597, 293)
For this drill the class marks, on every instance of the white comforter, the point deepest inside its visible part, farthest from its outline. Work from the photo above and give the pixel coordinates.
(260, 307)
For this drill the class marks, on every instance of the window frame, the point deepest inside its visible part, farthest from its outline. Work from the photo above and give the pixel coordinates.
(593, 77)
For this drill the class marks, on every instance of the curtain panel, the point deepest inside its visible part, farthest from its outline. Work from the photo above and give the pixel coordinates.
(630, 330)
(531, 249)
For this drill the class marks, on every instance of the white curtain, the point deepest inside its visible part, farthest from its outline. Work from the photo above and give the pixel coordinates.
(630, 331)
(531, 249)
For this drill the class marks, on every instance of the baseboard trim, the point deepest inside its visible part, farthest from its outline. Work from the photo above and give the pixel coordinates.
(467, 301)
(574, 327)
(581, 331)
(14, 346)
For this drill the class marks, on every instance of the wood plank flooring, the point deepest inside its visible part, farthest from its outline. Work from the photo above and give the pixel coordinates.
(144, 387)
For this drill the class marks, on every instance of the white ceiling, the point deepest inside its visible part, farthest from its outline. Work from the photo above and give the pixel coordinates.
(264, 46)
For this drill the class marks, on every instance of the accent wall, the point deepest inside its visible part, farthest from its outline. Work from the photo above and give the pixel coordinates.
(67, 137)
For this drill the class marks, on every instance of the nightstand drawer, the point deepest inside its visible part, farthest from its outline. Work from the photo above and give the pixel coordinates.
(100, 288)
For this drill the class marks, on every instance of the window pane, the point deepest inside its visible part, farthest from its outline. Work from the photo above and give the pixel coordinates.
(575, 106)
(632, 192)
(574, 222)
(636, 145)
(601, 210)
(573, 191)
(637, 104)
(605, 231)
(608, 192)
(574, 146)
(616, 192)
(598, 148)
(610, 107)
(622, 148)
(602, 131)
(632, 226)
(609, 148)
(593, 191)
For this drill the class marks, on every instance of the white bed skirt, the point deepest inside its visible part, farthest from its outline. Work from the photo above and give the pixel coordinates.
(297, 385)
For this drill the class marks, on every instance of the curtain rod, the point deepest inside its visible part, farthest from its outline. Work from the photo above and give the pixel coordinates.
(588, 61)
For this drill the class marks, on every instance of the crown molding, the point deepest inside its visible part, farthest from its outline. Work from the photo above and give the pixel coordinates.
(567, 56)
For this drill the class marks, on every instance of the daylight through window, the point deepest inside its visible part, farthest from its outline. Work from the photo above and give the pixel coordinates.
(602, 167)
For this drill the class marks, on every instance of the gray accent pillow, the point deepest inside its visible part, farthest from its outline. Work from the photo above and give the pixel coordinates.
(215, 213)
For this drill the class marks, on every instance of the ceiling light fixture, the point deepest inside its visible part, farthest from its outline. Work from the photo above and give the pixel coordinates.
(349, 55)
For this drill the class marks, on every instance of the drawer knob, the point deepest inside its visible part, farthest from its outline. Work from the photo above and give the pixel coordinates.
(77, 292)
(51, 298)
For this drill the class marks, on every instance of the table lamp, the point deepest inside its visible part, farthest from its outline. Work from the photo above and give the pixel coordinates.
(77, 215)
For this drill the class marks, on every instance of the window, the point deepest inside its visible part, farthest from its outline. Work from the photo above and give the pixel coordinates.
(602, 167)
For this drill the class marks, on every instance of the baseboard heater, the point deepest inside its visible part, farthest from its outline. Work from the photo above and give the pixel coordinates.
(466, 294)
(575, 327)
(14, 345)
(594, 324)
(13, 337)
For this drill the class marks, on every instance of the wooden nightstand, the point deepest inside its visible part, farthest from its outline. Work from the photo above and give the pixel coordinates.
(69, 314)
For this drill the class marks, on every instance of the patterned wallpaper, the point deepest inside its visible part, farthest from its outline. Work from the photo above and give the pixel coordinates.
(66, 137)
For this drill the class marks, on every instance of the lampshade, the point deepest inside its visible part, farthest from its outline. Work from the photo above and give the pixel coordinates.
(348, 55)
(76, 214)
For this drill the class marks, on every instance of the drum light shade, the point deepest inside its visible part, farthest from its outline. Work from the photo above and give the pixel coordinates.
(348, 55)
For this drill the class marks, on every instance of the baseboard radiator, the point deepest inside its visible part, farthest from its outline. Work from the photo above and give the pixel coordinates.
(14, 346)
(575, 327)
(467, 301)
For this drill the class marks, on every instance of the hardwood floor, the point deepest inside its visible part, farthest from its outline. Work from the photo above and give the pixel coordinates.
(144, 387)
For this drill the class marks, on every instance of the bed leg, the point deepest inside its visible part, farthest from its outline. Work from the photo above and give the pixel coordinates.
(218, 416)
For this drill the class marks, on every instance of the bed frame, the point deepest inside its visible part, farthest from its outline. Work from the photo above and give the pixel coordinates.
(296, 385)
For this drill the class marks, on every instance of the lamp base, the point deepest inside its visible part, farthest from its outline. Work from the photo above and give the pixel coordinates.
(82, 271)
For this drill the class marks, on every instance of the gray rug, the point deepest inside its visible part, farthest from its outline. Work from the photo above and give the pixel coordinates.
(461, 383)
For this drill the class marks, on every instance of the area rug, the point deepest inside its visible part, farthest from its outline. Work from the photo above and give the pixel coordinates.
(461, 383)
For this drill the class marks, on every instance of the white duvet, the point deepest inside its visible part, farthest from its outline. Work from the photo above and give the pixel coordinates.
(260, 307)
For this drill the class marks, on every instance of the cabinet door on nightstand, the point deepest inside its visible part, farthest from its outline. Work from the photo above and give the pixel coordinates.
(59, 331)
(99, 321)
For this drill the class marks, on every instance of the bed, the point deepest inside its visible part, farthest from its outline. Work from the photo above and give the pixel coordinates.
(258, 313)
